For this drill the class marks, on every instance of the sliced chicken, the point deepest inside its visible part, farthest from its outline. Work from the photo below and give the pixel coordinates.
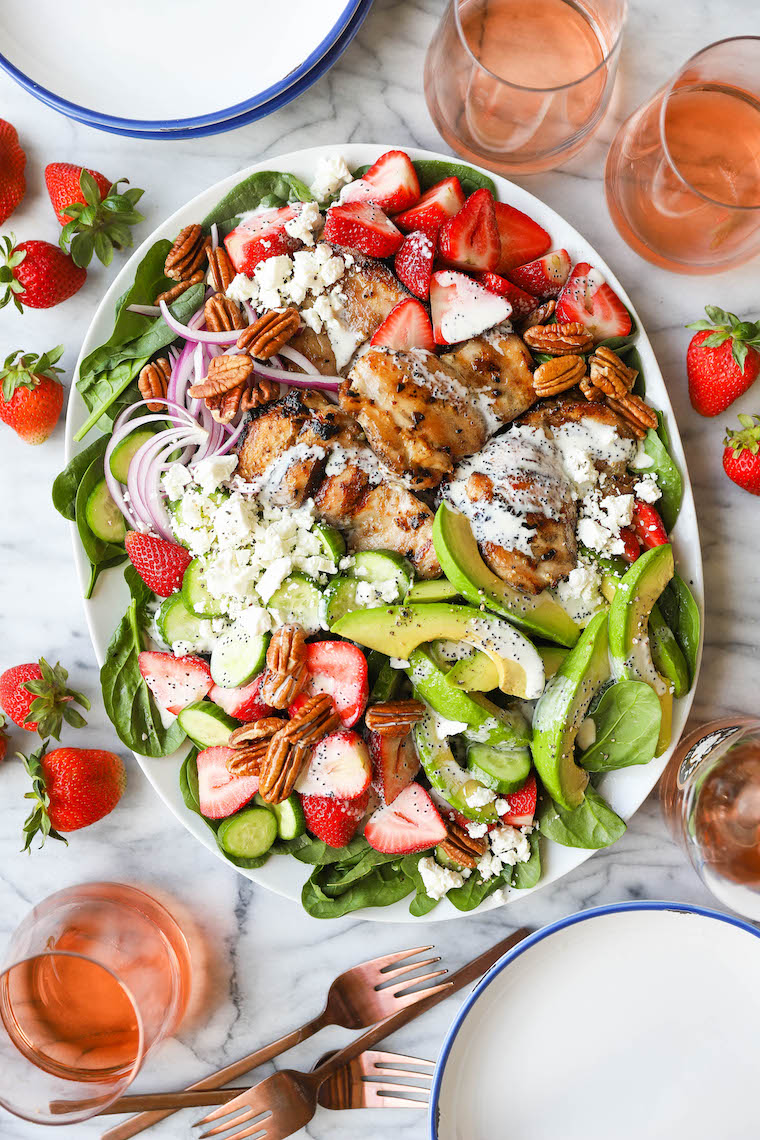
(389, 517)
(594, 428)
(520, 504)
(499, 366)
(415, 412)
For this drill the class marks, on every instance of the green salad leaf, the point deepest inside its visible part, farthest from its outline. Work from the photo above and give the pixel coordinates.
(264, 188)
(127, 699)
(627, 719)
(337, 889)
(66, 484)
(422, 903)
(657, 447)
(592, 825)
(101, 554)
(681, 612)
(476, 889)
(526, 875)
(188, 786)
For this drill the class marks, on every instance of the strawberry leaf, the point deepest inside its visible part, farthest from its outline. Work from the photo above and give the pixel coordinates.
(24, 370)
(715, 339)
(38, 821)
(739, 352)
(52, 700)
(748, 439)
(101, 225)
(718, 316)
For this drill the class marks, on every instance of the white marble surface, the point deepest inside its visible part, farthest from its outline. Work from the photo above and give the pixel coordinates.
(270, 963)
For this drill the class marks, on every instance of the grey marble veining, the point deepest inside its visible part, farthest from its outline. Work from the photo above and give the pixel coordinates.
(269, 964)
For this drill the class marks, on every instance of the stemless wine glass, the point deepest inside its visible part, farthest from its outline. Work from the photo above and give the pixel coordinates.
(683, 172)
(521, 86)
(94, 977)
(710, 795)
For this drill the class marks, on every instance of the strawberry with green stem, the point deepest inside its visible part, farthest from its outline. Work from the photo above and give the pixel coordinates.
(32, 397)
(741, 456)
(96, 216)
(36, 274)
(36, 697)
(722, 361)
(71, 788)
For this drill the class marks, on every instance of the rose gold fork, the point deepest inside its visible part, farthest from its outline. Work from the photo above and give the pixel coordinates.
(359, 997)
(280, 1105)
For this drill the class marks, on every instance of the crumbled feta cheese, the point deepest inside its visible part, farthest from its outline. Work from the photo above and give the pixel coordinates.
(332, 174)
(641, 461)
(647, 490)
(304, 225)
(438, 880)
(476, 830)
(479, 797)
(209, 473)
(580, 593)
(507, 846)
(618, 509)
(175, 479)
(255, 620)
(446, 728)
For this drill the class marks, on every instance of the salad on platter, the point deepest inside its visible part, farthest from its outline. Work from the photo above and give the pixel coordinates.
(395, 514)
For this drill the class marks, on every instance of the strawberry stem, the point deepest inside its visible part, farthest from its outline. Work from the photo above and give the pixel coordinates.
(746, 439)
(38, 820)
(53, 701)
(727, 326)
(99, 225)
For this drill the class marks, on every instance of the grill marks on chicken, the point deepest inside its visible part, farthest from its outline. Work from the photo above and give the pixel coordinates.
(389, 517)
(500, 367)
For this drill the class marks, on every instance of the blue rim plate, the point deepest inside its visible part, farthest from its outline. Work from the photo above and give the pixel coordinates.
(327, 52)
(534, 940)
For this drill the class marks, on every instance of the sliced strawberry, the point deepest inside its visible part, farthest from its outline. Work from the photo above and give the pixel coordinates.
(395, 763)
(470, 240)
(410, 823)
(391, 183)
(414, 263)
(589, 300)
(333, 820)
(461, 308)
(339, 766)
(406, 326)
(160, 564)
(244, 703)
(544, 277)
(175, 682)
(522, 804)
(362, 226)
(523, 304)
(648, 525)
(220, 793)
(435, 207)
(631, 547)
(261, 236)
(340, 669)
(521, 238)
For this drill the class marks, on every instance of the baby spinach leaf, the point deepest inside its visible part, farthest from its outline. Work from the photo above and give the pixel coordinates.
(127, 699)
(320, 854)
(526, 875)
(264, 188)
(66, 484)
(592, 825)
(627, 721)
(681, 612)
(337, 878)
(188, 786)
(476, 889)
(100, 554)
(657, 445)
(386, 884)
(422, 903)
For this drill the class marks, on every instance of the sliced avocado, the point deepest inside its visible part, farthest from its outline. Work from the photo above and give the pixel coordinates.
(476, 673)
(398, 630)
(486, 722)
(432, 590)
(561, 710)
(630, 611)
(462, 564)
(454, 783)
(667, 655)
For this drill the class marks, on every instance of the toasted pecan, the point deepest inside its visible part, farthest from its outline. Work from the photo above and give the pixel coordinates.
(280, 689)
(224, 374)
(463, 848)
(153, 382)
(638, 415)
(187, 256)
(608, 373)
(558, 339)
(221, 271)
(269, 333)
(394, 718)
(558, 375)
(223, 314)
(539, 316)
(180, 288)
(255, 730)
(290, 748)
(287, 649)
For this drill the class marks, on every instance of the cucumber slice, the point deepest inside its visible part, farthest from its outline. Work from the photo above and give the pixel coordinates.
(504, 770)
(238, 656)
(206, 724)
(378, 566)
(435, 590)
(104, 518)
(175, 622)
(299, 599)
(338, 599)
(333, 542)
(291, 821)
(248, 834)
(123, 453)
(195, 595)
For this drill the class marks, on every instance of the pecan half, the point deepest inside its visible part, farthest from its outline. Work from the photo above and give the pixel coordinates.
(269, 333)
(180, 288)
(590, 391)
(608, 373)
(220, 268)
(558, 375)
(289, 749)
(394, 718)
(222, 314)
(635, 412)
(539, 316)
(249, 760)
(462, 847)
(224, 374)
(280, 689)
(256, 730)
(188, 254)
(558, 340)
(286, 674)
(153, 382)
(315, 718)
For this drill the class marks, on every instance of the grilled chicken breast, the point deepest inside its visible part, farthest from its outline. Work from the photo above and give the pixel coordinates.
(389, 517)
(499, 366)
(574, 417)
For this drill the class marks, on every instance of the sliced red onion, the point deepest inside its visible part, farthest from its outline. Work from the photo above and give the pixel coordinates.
(144, 310)
(214, 231)
(188, 332)
(296, 357)
(250, 312)
(232, 438)
(298, 379)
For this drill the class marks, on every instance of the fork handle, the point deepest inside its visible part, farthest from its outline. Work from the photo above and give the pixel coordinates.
(217, 1080)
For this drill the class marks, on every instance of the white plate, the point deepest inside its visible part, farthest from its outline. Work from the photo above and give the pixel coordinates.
(626, 790)
(631, 1021)
(158, 71)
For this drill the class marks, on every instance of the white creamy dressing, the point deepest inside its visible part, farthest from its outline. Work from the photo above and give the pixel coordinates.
(502, 638)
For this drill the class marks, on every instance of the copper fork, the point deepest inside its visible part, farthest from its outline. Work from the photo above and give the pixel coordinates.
(359, 997)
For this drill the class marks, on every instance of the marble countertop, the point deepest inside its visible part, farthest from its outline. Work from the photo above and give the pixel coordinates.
(269, 964)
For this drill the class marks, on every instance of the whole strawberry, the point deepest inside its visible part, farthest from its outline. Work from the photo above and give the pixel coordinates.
(741, 455)
(37, 698)
(36, 274)
(722, 360)
(32, 398)
(72, 788)
(160, 564)
(12, 163)
(96, 217)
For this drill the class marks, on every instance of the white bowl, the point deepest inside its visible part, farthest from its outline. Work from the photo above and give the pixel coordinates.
(625, 790)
